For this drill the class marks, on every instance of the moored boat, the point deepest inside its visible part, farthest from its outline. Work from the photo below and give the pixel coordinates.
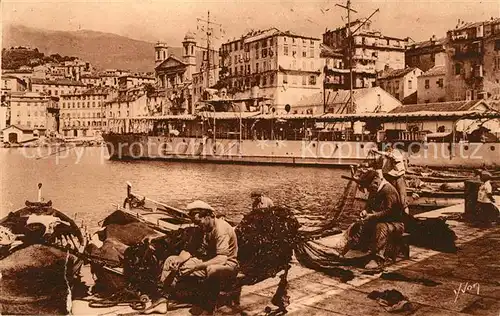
(39, 259)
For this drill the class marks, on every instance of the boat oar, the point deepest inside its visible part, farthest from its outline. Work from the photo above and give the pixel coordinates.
(177, 211)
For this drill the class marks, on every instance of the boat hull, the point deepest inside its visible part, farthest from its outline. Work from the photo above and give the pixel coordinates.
(294, 152)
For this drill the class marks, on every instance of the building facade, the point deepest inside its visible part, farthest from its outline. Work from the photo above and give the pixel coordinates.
(427, 54)
(371, 52)
(134, 80)
(83, 113)
(56, 87)
(128, 103)
(401, 83)
(285, 67)
(12, 84)
(32, 109)
(432, 85)
(473, 71)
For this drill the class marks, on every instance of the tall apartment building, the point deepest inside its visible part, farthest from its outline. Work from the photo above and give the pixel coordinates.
(83, 113)
(285, 66)
(371, 52)
(33, 110)
(56, 87)
(427, 54)
(473, 71)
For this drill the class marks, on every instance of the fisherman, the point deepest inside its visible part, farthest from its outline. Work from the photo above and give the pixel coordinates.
(393, 167)
(219, 263)
(260, 201)
(380, 222)
(487, 210)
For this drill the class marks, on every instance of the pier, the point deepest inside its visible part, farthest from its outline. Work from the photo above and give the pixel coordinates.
(468, 282)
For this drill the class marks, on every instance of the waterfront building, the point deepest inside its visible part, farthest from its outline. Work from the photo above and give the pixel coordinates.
(82, 113)
(12, 83)
(431, 85)
(16, 134)
(427, 54)
(56, 87)
(473, 70)
(366, 100)
(435, 129)
(33, 109)
(183, 79)
(284, 66)
(371, 51)
(127, 104)
(401, 83)
(335, 73)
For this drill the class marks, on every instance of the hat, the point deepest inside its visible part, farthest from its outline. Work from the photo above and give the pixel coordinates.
(366, 178)
(486, 175)
(199, 205)
(256, 194)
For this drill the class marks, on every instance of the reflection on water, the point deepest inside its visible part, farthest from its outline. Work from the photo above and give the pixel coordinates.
(82, 181)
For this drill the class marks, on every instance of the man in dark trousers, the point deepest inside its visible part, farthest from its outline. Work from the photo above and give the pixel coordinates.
(381, 221)
(220, 261)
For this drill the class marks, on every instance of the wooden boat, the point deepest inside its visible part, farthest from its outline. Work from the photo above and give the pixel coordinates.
(39, 259)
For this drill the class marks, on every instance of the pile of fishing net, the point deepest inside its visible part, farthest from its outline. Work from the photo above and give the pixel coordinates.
(34, 280)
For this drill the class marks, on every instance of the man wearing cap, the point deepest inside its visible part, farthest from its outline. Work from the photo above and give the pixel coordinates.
(382, 218)
(487, 210)
(260, 201)
(393, 167)
(221, 258)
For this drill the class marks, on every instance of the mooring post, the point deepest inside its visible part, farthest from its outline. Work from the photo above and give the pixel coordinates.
(470, 196)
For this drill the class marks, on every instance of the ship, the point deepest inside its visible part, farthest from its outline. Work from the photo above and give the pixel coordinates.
(251, 131)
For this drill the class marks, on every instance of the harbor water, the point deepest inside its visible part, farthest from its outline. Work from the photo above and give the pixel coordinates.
(83, 183)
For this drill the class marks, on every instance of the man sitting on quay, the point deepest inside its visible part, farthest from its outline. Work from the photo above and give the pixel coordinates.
(381, 221)
(260, 201)
(219, 263)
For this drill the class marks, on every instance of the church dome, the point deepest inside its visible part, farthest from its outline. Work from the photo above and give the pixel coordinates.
(190, 36)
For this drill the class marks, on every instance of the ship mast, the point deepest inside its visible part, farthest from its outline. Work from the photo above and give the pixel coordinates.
(350, 42)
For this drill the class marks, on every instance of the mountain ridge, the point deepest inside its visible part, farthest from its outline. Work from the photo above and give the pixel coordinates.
(121, 52)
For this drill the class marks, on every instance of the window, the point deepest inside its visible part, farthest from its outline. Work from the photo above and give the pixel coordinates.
(264, 80)
(312, 80)
(458, 68)
(304, 51)
(304, 80)
(440, 83)
(427, 83)
(409, 84)
(271, 79)
(497, 44)
(311, 52)
(256, 67)
(285, 50)
(285, 80)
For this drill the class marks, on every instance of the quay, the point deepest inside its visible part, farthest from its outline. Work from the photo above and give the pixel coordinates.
(468, 282)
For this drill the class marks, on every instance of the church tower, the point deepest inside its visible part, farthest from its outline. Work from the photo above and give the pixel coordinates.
(161, 53)
(189, 54)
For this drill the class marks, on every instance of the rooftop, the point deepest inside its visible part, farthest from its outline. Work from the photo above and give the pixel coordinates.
(435, 71)
(454, 106)
(397, 73)
(467, 25)
(429, 43)
(62, 82)
(260, 34)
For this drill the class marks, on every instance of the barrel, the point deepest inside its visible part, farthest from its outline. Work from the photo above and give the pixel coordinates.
(470, 196)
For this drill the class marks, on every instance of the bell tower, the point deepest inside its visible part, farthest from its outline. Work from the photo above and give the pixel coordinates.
(161, 53)
(189, 53)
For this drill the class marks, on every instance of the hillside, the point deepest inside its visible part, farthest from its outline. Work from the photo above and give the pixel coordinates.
(103, 50)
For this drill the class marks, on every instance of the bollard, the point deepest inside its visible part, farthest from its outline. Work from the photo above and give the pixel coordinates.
(470, 196)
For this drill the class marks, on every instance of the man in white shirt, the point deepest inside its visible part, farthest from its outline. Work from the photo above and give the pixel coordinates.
(486, 208)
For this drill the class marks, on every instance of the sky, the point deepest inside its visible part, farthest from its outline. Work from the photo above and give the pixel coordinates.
(169, 20)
